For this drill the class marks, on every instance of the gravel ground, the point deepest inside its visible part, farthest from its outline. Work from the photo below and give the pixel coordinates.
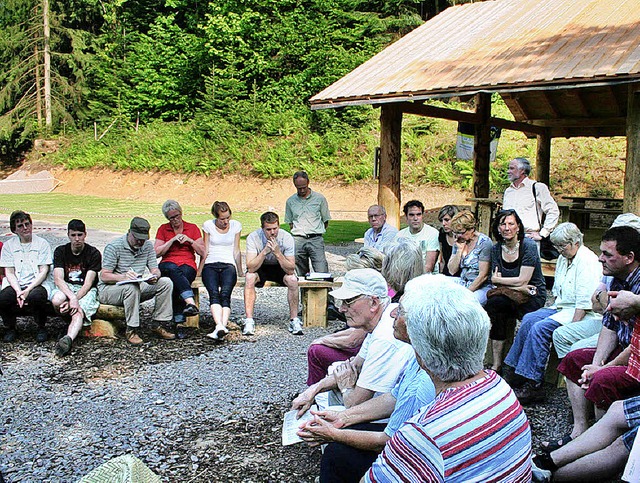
(192, 410)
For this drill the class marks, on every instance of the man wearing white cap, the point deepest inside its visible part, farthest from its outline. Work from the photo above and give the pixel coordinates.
(363, 299)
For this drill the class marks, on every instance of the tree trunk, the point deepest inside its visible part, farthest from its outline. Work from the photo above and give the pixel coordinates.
(47, 66)
(38, 91)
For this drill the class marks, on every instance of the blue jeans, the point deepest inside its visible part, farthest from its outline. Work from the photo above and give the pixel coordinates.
(530, 350)
(219, 280)
(182, 277)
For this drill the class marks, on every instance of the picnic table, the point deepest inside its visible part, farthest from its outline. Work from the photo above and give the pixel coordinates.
(582, 207)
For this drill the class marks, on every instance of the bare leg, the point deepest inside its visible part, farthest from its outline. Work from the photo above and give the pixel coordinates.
(497, 347)
(216, 313)
(596, 438)
(293, 296)
(226, 312)
(250, 293)
(596, 466)
(581, 408)
(75, 325)
(61, 305)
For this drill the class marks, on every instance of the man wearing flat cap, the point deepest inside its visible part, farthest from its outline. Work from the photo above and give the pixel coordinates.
(363, 299)
(130, 275)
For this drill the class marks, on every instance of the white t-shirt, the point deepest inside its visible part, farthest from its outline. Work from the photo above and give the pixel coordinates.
(221, 244)
(385, 357)
(427, 240)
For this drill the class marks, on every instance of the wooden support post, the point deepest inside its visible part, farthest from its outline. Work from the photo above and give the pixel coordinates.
(481, 149)
(631, 202)
(543, 158)
(390, 162)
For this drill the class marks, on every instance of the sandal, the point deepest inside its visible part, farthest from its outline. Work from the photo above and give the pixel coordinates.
(551, 446)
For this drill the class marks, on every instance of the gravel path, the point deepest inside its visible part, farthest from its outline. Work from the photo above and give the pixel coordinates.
(62, 418)
(191, 410)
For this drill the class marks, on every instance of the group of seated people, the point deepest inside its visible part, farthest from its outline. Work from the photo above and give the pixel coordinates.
(438, 428)
(76, 278)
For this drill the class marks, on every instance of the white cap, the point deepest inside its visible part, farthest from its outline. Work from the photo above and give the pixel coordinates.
(361, 281)
(627, 219)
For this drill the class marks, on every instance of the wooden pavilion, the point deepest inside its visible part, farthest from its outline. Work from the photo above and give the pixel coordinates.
(565, 68)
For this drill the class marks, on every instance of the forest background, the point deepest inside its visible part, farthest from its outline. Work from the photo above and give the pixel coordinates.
(222, 87)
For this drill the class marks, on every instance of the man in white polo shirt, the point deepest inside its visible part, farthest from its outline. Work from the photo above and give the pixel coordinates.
(382, 358)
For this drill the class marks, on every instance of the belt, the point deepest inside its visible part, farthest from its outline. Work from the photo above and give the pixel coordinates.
(312, 235)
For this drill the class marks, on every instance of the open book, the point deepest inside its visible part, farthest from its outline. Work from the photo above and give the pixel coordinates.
(144, 278)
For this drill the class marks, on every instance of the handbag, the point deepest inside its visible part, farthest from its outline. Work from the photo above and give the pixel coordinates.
(547, 250)
(514, 295)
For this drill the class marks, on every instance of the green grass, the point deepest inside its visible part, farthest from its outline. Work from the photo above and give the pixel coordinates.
(115, 215)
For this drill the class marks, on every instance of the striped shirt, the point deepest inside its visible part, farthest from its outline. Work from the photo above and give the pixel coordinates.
(119, 257)
(481, 431)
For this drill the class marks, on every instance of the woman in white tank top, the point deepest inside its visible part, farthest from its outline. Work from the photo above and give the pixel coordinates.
(222, 263)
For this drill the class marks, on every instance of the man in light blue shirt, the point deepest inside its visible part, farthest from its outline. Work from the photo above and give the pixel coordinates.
(380, 233)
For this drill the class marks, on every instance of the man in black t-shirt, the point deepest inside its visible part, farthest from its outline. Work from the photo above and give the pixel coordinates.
(75, 271)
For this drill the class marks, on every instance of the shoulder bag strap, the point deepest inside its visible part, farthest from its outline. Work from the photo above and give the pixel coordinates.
(535, 202)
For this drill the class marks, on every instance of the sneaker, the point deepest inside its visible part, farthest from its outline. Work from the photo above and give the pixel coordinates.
(63, 346)
(190, 310)
(249, 327)
(295, 326)
(530, 392)
(132, 337)
(164, 333)
(9, 335)
(42, 335)
(221, 332)
(213, 335)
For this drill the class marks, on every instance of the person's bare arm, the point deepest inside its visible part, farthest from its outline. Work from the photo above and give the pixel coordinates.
(344, 339)
(430, 261)
(482, 277)
(237, 256)
(521, 280)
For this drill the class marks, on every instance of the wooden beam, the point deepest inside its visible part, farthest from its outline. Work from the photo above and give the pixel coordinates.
(390, 162)
(481, 148)
(543, 158)
(470, 117)
(516, 126)
(580, 122)
(632, 170)
(439, 112)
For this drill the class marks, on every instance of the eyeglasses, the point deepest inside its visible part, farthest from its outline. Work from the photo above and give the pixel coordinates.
(399, 312)
(348, 302)
(175, 217)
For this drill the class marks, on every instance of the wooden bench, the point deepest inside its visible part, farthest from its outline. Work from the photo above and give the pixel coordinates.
(582, 216)
(314, 296)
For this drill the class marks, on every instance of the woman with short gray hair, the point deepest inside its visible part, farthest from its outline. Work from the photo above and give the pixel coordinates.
(474, 413)
(578, 273)
(177, 243)
(403, 261)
